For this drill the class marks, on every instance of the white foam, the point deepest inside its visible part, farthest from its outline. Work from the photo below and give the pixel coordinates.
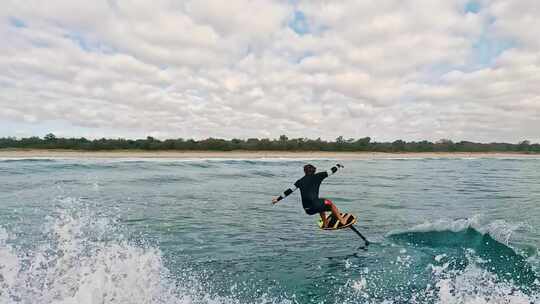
(498, 229)
(9, 265)
(475, 285)
(78, 262)
(360, 284)
(348, 264)
(73, 268)
(448, 285)
(439, 257)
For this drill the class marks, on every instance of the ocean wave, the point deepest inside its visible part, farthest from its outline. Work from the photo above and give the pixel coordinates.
(476, 285)
(490, 242)
(83, 165)
(262, 173)
(471, 284)
(163, 179)
(76, 264)
(260, 161)
(499, 229)
(238, 175)
(446, 262)
(27, 160)
(201, 164)
(85, 259)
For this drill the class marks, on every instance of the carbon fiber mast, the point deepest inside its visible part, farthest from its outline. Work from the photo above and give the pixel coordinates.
(360, 235)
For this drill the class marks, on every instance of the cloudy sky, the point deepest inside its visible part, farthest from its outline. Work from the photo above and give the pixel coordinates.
(389, 69)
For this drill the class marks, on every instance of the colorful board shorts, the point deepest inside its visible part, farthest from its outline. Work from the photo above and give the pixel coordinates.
(322, 205)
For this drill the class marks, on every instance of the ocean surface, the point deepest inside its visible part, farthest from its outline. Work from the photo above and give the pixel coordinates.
(204, 231)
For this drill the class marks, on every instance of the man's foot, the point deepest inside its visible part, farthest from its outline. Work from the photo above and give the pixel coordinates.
(342, 220)
(324, 223)
(324, 219)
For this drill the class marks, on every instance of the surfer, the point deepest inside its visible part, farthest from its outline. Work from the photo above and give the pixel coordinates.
(309, 191)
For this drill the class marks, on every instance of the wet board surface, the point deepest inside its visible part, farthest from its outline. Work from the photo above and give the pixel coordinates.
(335, 224)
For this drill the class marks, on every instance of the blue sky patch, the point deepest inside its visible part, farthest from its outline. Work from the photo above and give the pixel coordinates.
(486, 50)
(16, 22)
(79, 40)
(89, 45)
(472, 7)
(299, 23)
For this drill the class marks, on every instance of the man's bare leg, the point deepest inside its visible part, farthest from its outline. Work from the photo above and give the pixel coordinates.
(336, 213)
(324, 219)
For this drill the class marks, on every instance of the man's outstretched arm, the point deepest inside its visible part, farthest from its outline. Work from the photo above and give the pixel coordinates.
(284, 195)
(334, 169)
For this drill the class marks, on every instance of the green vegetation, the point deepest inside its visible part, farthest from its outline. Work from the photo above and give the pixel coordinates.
(283, 143)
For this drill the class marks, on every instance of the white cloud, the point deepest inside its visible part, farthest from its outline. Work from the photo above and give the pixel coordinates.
(388, 69)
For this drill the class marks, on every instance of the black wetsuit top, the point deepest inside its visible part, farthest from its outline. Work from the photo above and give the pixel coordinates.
(309, 190)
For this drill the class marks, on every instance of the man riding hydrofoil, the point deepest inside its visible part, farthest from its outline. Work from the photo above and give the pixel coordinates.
(309, 190)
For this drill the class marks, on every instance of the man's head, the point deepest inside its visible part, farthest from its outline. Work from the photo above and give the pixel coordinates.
(309, 169)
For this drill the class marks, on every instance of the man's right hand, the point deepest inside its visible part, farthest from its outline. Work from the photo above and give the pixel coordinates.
(274, 200)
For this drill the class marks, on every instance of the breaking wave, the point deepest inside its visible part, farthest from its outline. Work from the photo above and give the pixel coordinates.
(447, 284)
(467, 261)
(85, 259)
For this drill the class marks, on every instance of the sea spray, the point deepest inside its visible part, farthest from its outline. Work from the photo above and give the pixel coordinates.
(217, 239)
(475, 285)
(9, 266)
(85, 259)
(75, 263)
(447, 284)
(499, 229)
(445, 262)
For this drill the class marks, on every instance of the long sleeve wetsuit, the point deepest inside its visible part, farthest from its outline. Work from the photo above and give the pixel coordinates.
(309, 190)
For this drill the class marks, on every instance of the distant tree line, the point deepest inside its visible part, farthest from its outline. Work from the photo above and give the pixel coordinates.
(283, 143)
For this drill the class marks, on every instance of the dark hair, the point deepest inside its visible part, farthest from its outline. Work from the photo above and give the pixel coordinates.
(309, 169)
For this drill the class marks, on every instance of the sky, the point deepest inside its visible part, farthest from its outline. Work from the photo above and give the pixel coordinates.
(388, 69)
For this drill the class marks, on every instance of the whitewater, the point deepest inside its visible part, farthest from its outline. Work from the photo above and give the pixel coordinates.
(444, 230)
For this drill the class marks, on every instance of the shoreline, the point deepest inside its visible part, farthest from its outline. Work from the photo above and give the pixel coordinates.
(39, 153)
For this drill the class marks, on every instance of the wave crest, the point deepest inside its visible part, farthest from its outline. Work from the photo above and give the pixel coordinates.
(458, 238)
(499, 229)
(79, 263)
(83, 258)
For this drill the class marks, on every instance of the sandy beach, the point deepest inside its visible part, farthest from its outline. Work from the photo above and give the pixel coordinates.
(37, 153)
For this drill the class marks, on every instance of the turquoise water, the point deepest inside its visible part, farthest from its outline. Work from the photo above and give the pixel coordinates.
(204, 231)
